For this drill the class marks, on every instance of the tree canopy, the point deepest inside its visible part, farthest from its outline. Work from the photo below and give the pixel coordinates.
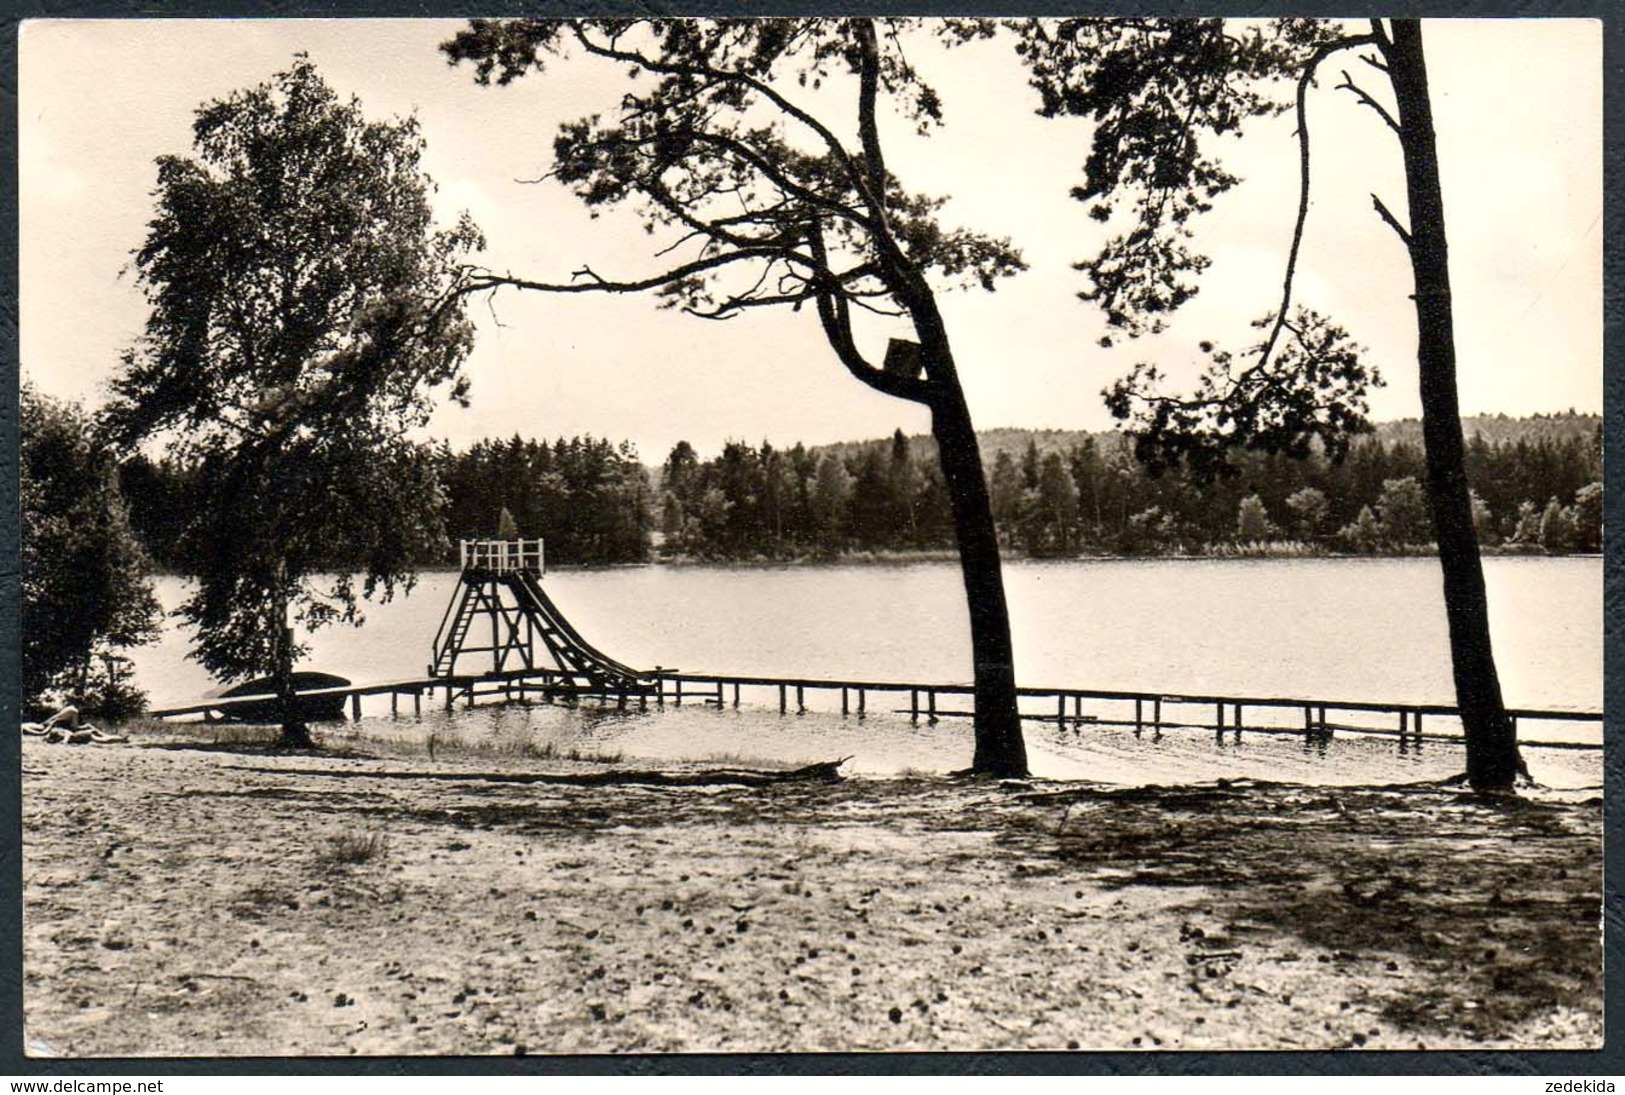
(304, 309)
(85, 591)
(1158, 87)
(751, 150)
(1161, 92)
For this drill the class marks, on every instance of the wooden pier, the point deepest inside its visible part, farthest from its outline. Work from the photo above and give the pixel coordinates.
(1147, 713)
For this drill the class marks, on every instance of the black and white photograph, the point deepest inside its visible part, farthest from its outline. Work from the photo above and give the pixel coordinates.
(805, 535)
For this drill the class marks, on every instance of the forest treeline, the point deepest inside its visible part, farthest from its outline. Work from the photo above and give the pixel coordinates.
(1536, 485)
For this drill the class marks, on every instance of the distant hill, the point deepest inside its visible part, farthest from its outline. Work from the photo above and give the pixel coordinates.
(1499, 429)
(1496, 429)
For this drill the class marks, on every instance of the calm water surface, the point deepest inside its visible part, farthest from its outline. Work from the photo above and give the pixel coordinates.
(1335, 629)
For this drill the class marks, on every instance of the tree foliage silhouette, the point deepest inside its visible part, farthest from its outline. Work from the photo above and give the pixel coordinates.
(303, 308)
(1157, 89)
(752, 150)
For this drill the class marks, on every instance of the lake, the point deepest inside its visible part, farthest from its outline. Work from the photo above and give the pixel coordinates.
(1335, 629)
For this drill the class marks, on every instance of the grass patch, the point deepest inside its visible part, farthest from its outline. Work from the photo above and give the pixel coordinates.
(354, 849)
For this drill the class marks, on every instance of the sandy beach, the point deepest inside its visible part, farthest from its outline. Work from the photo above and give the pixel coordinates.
(187, 900)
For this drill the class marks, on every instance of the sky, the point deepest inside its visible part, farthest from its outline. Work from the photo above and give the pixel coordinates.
(1518, 111)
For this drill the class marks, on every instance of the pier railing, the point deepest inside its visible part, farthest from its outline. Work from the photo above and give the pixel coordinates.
(1065, 708)
(1151, 712)
(501, 556)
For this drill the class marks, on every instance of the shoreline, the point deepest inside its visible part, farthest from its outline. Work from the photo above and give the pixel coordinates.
(949, 555)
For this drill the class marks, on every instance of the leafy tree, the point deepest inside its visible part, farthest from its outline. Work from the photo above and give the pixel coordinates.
(1483, 520)
(902, 483)
(83, 579)
(303, 308)
(1309, 509)
(1588, 518)
(1008, 496)
(1056, 506)
(1150, 530)
(713, 141)
(1253, 520)
(1557, 528)
(831, 503)
(1526, 531)
(1365, 533)
(1157, 89)
(1403, 509)
(671, 517)
(159, 494)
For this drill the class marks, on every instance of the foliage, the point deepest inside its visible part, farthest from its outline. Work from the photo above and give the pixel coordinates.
(85, 591)
(1365, 532)
(779, 210)
(1588, 517)
(1557, 527)
(1253, 520)
(1309, 508)
(1404, 511)
(1304, 400)
(1160, 91)
(586, 497)
(725, 143)
(783, 503)
(303, 309)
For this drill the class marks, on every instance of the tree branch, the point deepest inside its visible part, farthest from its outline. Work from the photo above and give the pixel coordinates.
(593, 283)
(824, 133)
(1305, 81)
(1360, 93)
(1391, 221)
(836, 318)
(868, 129)
(782, 181)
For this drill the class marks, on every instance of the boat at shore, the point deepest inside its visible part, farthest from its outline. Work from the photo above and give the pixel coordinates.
(322, 707)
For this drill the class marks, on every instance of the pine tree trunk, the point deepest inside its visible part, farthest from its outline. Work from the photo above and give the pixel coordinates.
(1000, 749)
(1492, 749)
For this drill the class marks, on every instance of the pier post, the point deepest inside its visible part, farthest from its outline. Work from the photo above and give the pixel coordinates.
(1139, 718)
(448, 696)
(861, 712)
(1060, 710)
(1218, 729)
(843, 701)
(355, 706)
(719, 694)
(394, 705)
(678, 697)
(1156, 717)
(801, 700)
(1238, 724)
(931, 700)
(1077, 713)
(736, 692)
(782, 707)
(1324, 733)
(913, 705)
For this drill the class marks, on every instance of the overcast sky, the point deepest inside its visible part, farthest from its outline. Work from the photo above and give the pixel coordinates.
(1518, 112)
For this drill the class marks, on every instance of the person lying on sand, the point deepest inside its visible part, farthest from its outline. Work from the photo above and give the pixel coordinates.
(64, 726)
